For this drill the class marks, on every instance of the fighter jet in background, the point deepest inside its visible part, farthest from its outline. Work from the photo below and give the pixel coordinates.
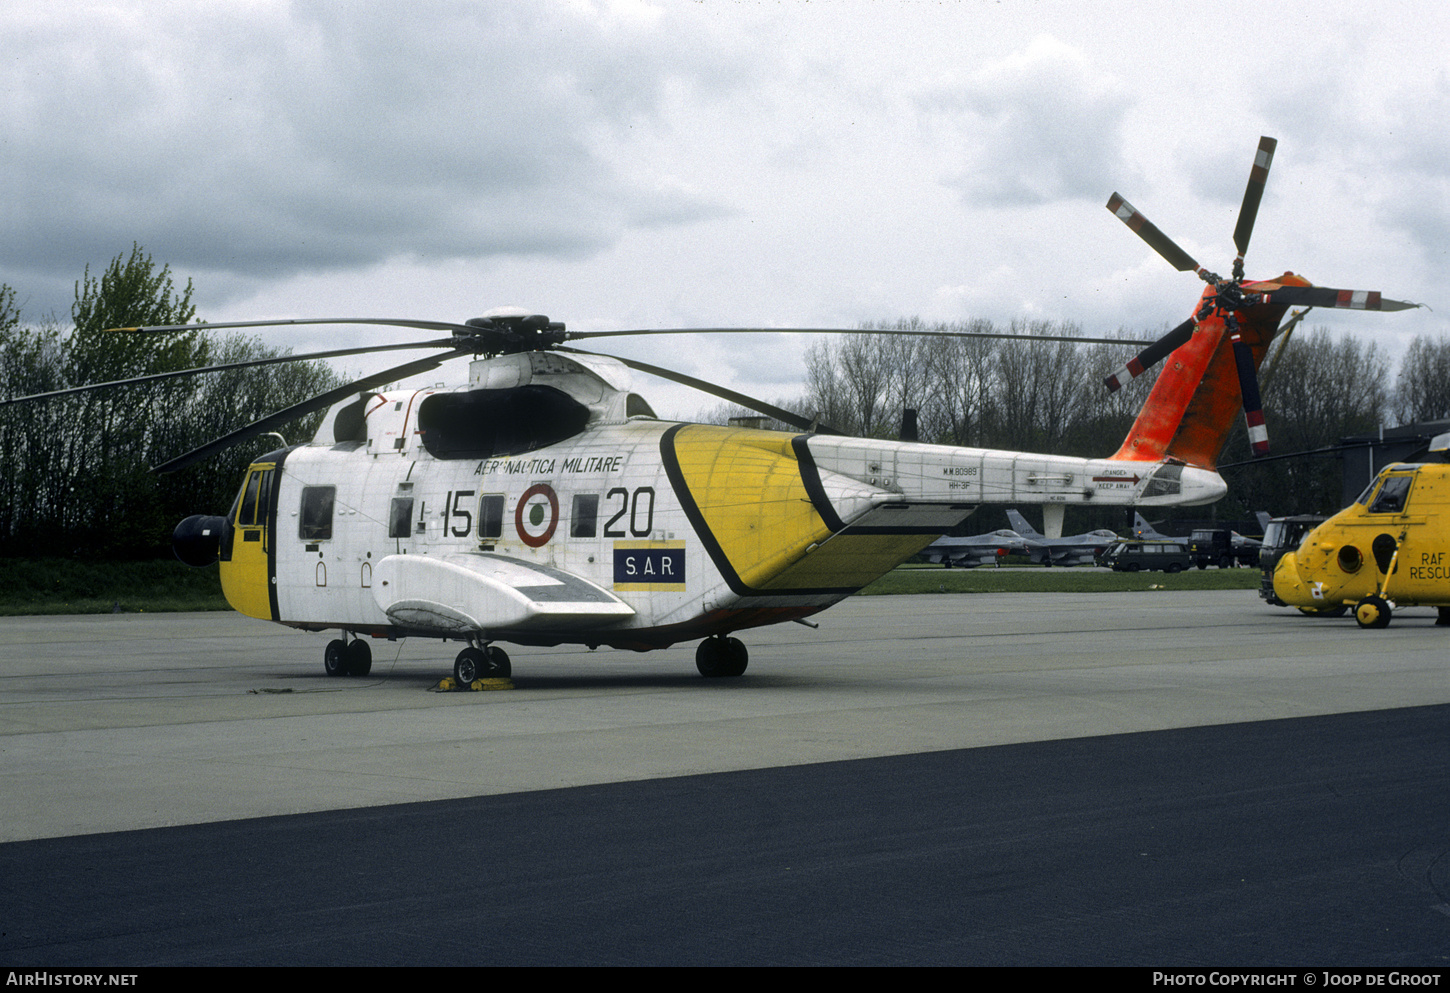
(1078, 549)
(1147, 532)
(978, 549)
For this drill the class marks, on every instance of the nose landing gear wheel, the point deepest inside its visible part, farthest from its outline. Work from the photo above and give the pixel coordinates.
(720, 656)
(359, 658)
(468, 666)
(1372, 612)
(498, 666)
(334, 658)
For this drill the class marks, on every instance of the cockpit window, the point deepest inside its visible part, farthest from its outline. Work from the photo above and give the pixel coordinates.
(1392, 496)
(1166, 481)
(254, 499)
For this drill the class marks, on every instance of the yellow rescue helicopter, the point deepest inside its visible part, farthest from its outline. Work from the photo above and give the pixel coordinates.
(1389, 548)
(543, 503)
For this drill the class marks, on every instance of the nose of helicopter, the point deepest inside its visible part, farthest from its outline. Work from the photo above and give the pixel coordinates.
(1289, 586)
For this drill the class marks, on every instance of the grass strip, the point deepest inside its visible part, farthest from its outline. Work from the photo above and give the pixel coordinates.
(69, 586)
(1057, 580)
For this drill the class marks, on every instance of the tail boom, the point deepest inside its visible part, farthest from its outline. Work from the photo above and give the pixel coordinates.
(1197, 397)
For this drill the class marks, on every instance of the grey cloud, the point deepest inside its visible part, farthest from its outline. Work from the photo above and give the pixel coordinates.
(1039, 125)
(1388, 144)
(261, 144)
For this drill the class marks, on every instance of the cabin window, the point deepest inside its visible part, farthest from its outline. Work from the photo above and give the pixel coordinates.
(584, 521)
(490, 515)
(400, 518)
(1392, 496)
(315, 523)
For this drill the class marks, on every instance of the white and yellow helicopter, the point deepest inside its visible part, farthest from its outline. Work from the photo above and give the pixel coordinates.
(543, 503)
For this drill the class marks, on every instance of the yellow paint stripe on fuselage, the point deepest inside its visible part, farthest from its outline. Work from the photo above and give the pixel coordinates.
(748, 489)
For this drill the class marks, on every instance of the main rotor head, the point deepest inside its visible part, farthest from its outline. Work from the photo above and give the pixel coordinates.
(507, 330)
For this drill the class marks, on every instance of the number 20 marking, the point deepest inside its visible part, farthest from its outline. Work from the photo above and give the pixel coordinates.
(634, 506)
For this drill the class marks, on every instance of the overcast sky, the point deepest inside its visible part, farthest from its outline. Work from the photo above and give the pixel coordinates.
(631, 164)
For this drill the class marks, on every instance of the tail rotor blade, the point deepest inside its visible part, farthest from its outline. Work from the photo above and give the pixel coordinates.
(1271, 362)
(1253, 193)
(1151, 356)
(1253, 404)
(1157, 240)
(1325, 296)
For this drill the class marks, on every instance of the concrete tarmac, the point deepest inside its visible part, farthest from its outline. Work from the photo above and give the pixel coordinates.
(122, 722)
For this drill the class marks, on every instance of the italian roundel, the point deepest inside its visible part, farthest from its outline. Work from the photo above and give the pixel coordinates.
(537, 515)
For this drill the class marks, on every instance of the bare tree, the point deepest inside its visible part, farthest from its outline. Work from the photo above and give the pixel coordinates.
(1422, 390)
(1322, 390)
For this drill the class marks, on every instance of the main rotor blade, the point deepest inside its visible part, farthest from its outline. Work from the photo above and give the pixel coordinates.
(748, 402)
(468, 329)
(319, 402)
(1253, 193)
(579, 335)
(382, 321)
(273, 360)
(1325, 296)
(1157, 240)
(1151, 355)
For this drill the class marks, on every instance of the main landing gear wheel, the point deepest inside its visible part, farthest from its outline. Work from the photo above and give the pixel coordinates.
(334, 658)
(719, 656)
(1372, 612)
(481, 663)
